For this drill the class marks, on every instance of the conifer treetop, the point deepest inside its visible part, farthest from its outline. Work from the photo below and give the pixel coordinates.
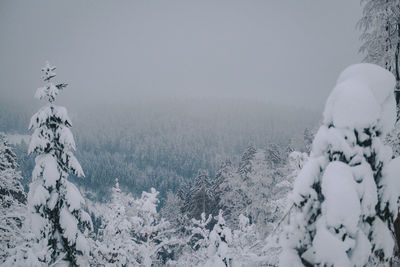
(50, 91)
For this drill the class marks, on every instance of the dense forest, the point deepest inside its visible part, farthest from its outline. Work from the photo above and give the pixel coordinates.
(164, 144)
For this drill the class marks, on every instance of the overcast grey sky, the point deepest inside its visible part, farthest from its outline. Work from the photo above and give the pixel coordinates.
(284, 51)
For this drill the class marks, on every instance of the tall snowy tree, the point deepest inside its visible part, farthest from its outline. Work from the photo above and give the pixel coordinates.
(12, 200)
(345, 198)
(201, 196)
(380, 26)
(57, 217)
(245, 165)
(172, 212)
(225, 196)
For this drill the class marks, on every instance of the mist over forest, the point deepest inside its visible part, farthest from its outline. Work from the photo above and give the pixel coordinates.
(163, 143)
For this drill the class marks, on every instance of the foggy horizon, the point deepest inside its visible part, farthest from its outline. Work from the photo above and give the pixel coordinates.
(264, 51)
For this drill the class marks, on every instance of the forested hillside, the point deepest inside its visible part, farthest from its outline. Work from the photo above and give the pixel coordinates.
(164, 143)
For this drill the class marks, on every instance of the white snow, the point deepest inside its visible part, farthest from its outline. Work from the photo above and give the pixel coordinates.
(45, 113)
(391, 186)
(73, 164)
(70, 225)
(339, 189)
(52, 202)
(329, 249)
(380, 81)
(382, 237)
(50, 170)
(40, 196)
(82, 244)
(334, 140)
(388, 115)
(351, 105)
(360, 254)
(366, 188)
(363, 97)
(73, 197)
(65, 137)
(306, 178)
(40, 139)
(37, 224)
(16, 139)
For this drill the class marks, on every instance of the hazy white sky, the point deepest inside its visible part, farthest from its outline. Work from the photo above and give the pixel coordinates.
(284, 51)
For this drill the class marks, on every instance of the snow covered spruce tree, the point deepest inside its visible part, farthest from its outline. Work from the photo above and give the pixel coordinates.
(12, 200)
(57, 218)
(380, 27)
(346, 196)
(201, 196)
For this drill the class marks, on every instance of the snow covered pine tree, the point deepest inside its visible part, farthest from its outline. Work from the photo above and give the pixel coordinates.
(201, 196)
(381, 36)
(57, 218)
(346, 196)
(12, 199)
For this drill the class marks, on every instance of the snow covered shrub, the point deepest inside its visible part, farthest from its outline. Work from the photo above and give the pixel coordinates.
(116, 246)
(345, 198)
(219, 251)
(56, 215)
(245, 245)
(221, 246)
(155, 238)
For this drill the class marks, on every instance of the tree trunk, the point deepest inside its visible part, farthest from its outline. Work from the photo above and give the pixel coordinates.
(397, 72)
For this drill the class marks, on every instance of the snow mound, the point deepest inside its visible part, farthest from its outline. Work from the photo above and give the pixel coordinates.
(344, 108)
(379, 80)
(363, 97)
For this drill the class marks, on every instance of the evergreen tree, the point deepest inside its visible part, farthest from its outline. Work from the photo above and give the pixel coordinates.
(172, 212)
(57, 217)
(223, 186)
(345, 198)
(245, 165)
(12, 199)
(380, 26)
(201, 197)
(274, 156)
